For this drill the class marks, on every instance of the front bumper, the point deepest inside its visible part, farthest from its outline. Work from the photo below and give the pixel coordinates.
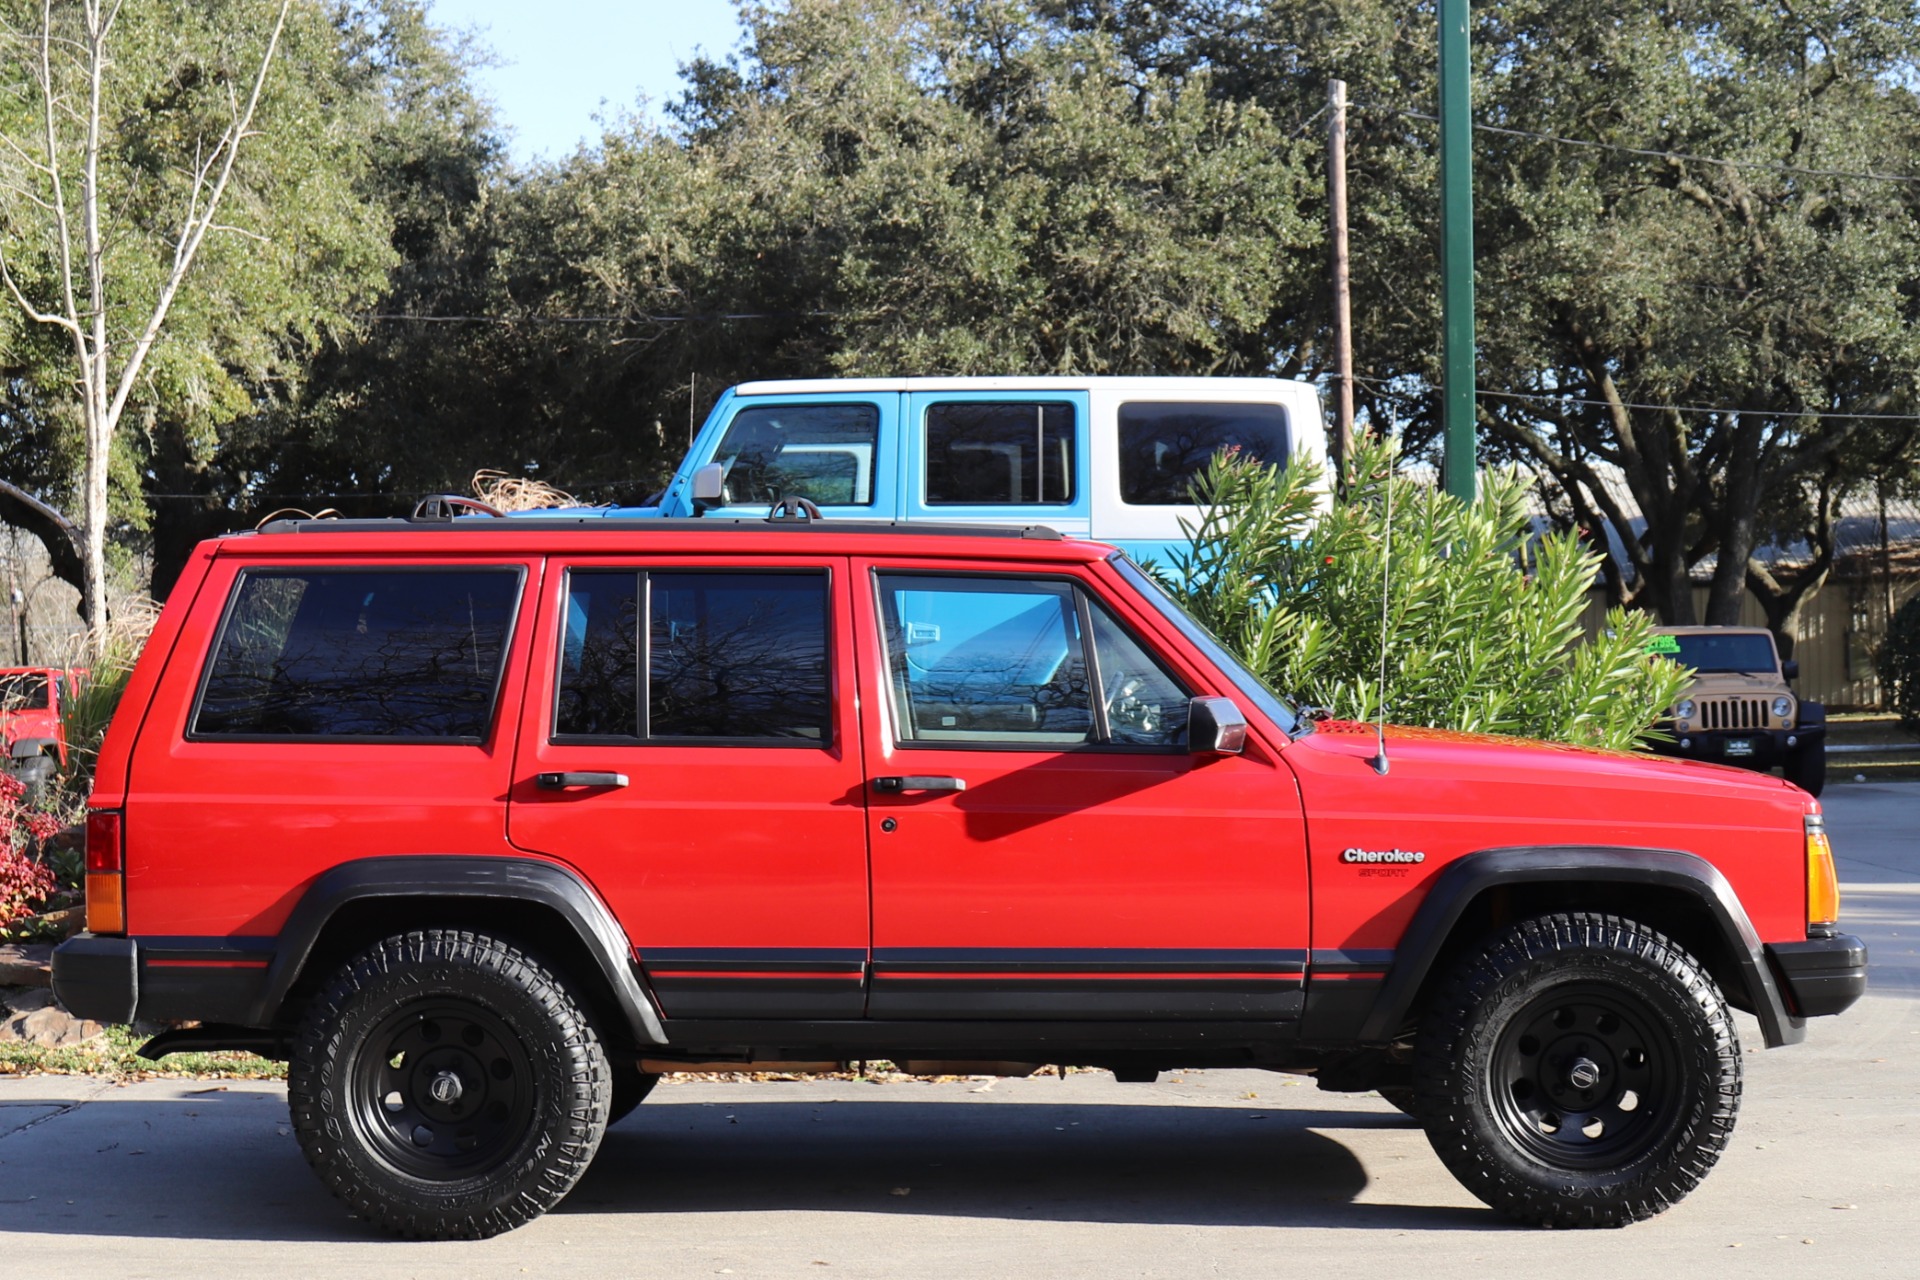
(1820, 976)
(1764, 748)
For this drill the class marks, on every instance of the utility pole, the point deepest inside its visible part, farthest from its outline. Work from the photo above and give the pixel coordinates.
(1342, 295)
(1456, 251)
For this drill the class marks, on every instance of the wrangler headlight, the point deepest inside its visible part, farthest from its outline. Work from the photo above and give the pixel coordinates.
(1782, 707)
(1685, 710)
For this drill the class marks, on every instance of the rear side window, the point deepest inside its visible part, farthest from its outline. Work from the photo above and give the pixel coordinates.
(399, 654)
(1000, 454)
(1164, 446)
(824, 452)
(727, 657)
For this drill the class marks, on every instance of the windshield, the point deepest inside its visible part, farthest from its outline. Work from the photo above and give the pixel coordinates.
(1720, 654)
(1252, 687)
(23, 691)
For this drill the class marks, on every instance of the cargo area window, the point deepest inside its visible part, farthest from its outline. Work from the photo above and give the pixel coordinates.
(727, 657)
(1163, 446)
(401, 654)
(825, 452)
(1026, 663)
(1000, 454)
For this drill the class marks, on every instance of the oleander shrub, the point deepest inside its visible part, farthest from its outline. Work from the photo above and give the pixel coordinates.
(1482, 630)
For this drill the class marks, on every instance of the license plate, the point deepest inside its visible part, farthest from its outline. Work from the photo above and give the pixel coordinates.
(1739, 746)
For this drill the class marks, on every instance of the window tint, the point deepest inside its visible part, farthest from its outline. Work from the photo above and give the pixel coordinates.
(599, 657)
(1164, 446)
(737, 656)
(728, 655)
(824, 452)
(23, 691)
(372, 654)
(1000, 454)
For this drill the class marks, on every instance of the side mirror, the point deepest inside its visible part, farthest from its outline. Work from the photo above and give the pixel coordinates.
(1215, 727)
(1790, 669)
(709, 487)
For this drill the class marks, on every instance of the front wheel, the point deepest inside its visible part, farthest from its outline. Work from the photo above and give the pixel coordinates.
(447, 1086)
(1578, 1071)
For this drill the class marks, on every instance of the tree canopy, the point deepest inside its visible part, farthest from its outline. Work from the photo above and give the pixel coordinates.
(1695, 226)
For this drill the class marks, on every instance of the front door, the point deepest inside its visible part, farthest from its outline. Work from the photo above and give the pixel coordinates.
(690, 749)
(1043, 844)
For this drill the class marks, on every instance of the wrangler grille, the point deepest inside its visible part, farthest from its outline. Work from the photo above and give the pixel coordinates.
(1734, 713)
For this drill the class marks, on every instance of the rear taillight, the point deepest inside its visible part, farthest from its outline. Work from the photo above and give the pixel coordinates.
(106, 867)
(1823, 885)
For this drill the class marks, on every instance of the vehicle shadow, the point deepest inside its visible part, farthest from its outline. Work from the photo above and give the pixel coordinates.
(223, 1167)
(1070, 1162)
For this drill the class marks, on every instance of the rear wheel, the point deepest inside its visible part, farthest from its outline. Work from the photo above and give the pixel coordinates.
(1807, 767)
(631, 1086)
(445, 1085)
(1579, 1070)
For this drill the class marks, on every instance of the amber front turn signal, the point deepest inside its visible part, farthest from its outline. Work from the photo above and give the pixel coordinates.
(1823, 886)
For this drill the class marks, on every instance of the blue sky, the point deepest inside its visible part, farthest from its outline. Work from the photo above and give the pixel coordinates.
(564, 61)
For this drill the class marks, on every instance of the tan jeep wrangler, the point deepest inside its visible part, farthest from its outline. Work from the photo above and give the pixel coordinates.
(1739, 709)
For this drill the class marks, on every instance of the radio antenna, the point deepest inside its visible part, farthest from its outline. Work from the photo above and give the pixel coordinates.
(1379, 761)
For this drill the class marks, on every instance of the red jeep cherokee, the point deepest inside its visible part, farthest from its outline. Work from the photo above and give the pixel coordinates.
(480, 823)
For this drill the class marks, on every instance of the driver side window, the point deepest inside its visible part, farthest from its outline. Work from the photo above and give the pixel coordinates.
(1015, 663)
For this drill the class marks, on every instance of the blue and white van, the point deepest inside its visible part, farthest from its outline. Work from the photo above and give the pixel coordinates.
(1106, 458)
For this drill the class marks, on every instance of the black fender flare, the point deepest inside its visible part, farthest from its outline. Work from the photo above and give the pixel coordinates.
(456, 876)
(1466, 878)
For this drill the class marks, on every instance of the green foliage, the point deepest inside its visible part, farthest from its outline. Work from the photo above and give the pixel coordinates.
(1897, 663)
(1482, 627)
(85, 714)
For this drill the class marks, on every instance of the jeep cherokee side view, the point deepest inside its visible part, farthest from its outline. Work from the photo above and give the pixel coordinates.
(482, 823)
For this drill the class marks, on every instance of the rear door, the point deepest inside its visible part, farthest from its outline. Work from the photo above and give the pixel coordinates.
(1043, 844)
(687, 742)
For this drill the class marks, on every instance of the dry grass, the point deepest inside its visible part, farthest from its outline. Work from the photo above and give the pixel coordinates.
(518, 493)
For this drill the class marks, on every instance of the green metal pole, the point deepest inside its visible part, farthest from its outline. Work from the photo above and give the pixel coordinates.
(1456, 251)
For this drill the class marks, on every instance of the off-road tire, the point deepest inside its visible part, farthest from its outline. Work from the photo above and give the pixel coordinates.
(1403, 1098)
(528, 1113)
(1550, 1001)
(631, 1086)
(1806, 768)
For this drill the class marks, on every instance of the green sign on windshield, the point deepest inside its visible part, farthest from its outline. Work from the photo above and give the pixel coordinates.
(1664, 645)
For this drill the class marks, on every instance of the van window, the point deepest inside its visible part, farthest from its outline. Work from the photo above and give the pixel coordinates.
(824, 452)
(411, 654)
(1164, 446)
(1000, 454)
(728, 657)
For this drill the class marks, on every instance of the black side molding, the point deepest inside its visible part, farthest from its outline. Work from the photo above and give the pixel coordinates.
(1468, 877)
(456, 876)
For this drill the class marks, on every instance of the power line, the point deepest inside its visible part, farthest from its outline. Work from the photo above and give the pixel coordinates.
(1654, 153)
(1543, 398)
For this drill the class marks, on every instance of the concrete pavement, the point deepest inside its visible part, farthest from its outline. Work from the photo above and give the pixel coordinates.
(1218, 1173)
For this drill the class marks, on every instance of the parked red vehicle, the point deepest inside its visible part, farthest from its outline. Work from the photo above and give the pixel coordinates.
(33, 739)
(482, 823)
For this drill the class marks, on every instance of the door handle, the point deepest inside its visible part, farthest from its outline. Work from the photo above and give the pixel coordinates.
(891, 786)
(561, 781)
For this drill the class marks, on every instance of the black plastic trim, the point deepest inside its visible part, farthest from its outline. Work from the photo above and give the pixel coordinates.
(1466, 878)
(97, 977)
(1822, 976)
(215, 1038)
(1187, 1041)
(460, 876)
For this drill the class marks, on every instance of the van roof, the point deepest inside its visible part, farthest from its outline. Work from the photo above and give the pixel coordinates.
(1208, 388)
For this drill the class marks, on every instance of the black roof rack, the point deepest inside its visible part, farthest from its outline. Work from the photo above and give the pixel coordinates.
(698, 524)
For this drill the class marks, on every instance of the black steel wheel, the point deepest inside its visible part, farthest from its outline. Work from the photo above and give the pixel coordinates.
(445, 1085)
(1578, 1070)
